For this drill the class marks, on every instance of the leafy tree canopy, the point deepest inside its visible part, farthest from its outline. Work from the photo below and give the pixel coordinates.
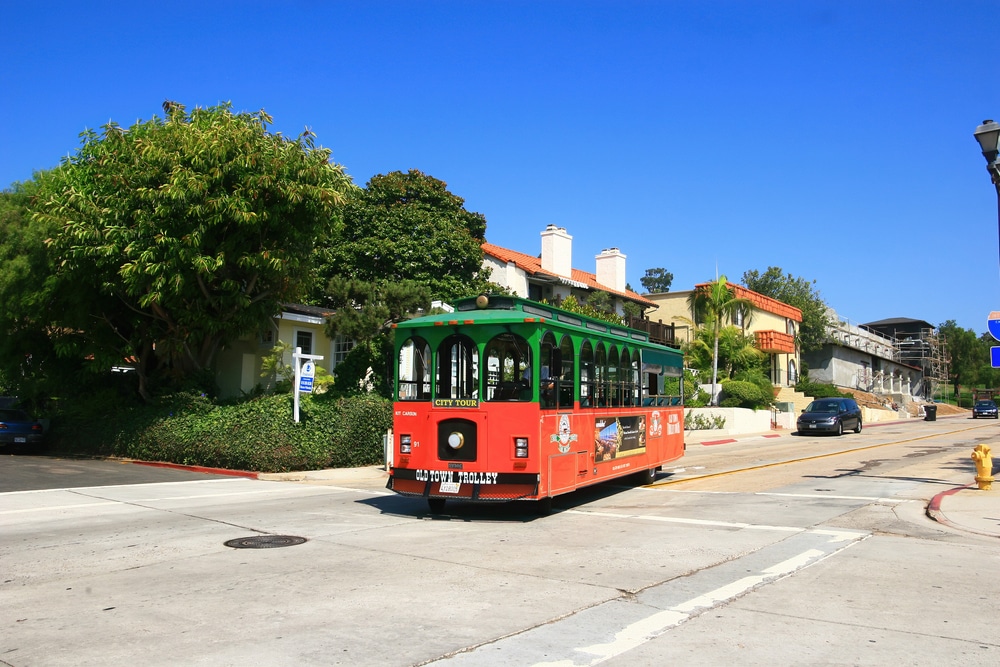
(598, 306)
(714, 304)
(407, 226)
(967, 353)
(29, 366)
(797, 292)
(364, 313)
(657, 280)
(188, 231)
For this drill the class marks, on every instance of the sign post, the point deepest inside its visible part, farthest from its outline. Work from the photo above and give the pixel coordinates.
(305, 373)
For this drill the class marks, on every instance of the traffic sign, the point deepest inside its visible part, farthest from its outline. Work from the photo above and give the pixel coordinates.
(993, 324)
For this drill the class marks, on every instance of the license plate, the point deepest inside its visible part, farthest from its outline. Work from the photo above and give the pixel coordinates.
(812, 425)
(20, 439)
(450, 487)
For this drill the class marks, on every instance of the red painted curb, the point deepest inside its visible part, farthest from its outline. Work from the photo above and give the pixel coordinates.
(709, 443)
(935, 504)
(210, 471)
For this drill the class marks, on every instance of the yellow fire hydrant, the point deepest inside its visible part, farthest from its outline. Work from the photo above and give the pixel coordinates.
(984, 466)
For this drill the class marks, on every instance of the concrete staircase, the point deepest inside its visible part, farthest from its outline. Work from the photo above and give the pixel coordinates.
(789, 395)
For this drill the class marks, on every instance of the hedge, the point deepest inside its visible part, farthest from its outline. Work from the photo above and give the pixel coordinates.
(257, 435)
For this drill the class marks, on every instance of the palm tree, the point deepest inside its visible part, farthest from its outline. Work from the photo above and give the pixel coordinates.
(713, 303)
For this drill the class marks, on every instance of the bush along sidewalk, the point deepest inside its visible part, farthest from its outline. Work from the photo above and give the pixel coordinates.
(258, 435)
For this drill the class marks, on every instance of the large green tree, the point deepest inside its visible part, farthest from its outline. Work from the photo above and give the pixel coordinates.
(713, 304)
(966, 353)
(657, 280)
(407, 226)
(365, 312)
(183, 233)
(797, 292)
(29, 365)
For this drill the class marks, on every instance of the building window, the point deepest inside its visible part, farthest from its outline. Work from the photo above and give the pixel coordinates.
(304, 339)
(267, 337)
(341, 347)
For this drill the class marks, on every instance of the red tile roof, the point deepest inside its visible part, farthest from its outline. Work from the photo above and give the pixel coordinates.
(533, 266)
(762, 302)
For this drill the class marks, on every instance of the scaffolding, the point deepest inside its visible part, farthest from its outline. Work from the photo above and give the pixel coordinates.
(925, 349)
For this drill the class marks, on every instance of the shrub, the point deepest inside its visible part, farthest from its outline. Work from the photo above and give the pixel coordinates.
(700, 422)
(820, 390)
(737, 393)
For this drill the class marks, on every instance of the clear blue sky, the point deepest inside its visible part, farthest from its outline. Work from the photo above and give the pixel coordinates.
(832, 138)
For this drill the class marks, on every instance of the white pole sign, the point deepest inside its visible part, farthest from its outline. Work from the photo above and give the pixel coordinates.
(304, 375)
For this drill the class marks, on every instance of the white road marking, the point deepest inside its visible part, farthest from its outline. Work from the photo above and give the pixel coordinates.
(876, 499)
(722, 524)
(638, 633)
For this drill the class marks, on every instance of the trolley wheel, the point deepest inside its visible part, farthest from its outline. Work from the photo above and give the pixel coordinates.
(436, 505)
(645, 477)
(543, 506)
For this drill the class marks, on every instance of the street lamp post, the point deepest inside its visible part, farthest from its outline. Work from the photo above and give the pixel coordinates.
(988, 136)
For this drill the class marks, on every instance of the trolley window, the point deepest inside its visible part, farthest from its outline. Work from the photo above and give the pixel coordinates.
(457, 368)
(587, 382)
(508, 368)
(556, 373)
(414, 370)
(601, 376)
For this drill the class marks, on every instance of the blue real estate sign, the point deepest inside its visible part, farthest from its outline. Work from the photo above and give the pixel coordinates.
(306, 376)
(993, 324)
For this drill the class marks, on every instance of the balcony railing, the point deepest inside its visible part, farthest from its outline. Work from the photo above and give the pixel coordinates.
(658, 331)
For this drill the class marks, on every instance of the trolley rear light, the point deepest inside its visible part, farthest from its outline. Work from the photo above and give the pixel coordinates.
(520, 448)
(405, 443)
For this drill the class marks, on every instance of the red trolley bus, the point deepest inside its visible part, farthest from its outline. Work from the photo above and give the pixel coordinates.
(509, 399)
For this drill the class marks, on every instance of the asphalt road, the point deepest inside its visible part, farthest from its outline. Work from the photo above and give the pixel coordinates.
(787, 552)
(20, 472)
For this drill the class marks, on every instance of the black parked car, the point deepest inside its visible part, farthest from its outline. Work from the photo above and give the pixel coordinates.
(984, 408)
(830, 415)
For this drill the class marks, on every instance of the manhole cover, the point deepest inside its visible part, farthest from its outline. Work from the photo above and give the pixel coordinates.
(265, 542)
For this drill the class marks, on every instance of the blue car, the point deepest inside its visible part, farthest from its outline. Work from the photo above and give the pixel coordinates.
(984, 409)
(830, 415)
(18, 430)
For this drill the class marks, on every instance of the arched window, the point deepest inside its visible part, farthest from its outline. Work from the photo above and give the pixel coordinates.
(414, 370)
(565, 378)
(614, 378)
(457, 368)
(793, 372)
(508, 368)
(629, 374)
(556, 372)
(601, 376)
(588, 386)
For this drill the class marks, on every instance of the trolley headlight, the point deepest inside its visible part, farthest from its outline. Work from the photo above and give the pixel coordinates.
(520, 448)
(405, 442)
(456, 440)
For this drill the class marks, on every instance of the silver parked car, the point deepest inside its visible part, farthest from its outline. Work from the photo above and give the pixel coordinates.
(830, 415)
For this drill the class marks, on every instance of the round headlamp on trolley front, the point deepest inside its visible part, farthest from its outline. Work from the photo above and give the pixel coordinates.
(456, 440)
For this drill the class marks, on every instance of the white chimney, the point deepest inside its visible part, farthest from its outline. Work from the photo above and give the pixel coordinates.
(557, 251)
(611, 269)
